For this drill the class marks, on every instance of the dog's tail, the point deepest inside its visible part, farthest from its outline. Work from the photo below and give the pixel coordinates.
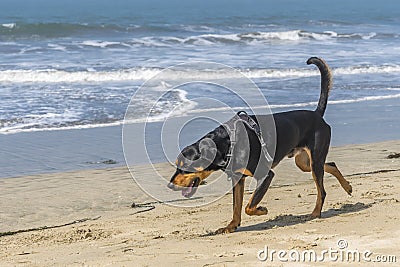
(326, 83)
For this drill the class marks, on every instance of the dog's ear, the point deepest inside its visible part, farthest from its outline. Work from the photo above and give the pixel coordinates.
(210, 153)
(208, 149)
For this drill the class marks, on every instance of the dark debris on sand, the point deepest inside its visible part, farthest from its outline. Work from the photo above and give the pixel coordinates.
(393, 156)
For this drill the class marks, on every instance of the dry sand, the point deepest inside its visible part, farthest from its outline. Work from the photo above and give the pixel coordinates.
(115, 234)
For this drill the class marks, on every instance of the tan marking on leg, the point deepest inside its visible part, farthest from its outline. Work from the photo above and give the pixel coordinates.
(238, 192)
(318, 205)
(255, 210)
(332, 169)
(244, 171)
(303, 161)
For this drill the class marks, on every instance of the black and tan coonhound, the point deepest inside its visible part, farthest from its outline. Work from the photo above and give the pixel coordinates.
(302, 134)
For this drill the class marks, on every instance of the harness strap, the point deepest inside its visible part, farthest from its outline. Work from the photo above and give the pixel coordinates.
(230, 125)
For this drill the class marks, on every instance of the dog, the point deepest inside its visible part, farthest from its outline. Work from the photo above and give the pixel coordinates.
(302, 134)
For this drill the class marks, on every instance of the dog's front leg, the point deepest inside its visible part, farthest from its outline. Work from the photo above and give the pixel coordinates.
(258, 194)
(238, 191)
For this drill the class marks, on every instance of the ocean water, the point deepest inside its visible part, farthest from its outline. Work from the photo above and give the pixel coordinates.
(76, 64)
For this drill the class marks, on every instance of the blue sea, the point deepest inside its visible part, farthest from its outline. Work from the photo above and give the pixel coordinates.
(76, 64)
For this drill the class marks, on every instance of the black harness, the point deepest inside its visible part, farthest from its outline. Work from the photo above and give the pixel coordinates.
(230, 126)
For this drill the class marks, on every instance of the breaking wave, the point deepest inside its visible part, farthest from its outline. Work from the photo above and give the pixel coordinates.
(142, 74)
(173, 34)
(253, 38)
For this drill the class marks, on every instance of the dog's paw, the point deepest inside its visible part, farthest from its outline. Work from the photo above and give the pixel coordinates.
(226, 230)
(256, 211)
(348, 188)
(262, 210)
(315, 215)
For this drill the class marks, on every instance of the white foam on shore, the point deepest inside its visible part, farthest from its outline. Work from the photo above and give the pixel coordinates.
(142, 74)
(300, 105)
(184, 106)
(57, 47)
(73, 127)
(34, 121)
(101, 44)
(188, 108)
(58, 76)
(9, 25)
(69, 119)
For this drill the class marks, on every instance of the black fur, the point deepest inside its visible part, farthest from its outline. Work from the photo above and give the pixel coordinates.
(300, 133)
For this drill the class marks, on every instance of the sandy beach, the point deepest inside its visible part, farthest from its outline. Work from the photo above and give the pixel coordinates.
(91, 91)
(95, 224)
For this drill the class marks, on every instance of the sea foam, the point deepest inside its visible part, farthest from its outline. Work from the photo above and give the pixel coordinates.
(142, 74)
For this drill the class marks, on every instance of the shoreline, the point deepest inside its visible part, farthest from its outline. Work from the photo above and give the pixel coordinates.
(105, 166)
(116, 234)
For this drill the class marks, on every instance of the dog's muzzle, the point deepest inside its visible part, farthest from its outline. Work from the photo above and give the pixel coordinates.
(172, 186)
(187, 191)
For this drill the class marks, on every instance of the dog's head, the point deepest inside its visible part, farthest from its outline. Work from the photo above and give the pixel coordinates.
(194, 164)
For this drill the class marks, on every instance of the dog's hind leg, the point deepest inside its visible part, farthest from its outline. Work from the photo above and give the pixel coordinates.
(302, 161)
(318, 176)
(258, 194)
(330, 167)
(317, 153)
(238, 191)
(314, 161)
